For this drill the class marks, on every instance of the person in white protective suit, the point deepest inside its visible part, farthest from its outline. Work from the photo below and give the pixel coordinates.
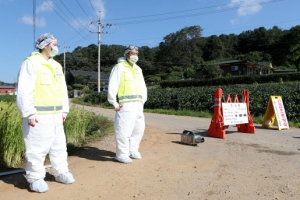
(126, 83)
(43, 103)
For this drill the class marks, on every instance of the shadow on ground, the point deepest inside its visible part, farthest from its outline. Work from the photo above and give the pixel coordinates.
(19, 181)
(93, 153)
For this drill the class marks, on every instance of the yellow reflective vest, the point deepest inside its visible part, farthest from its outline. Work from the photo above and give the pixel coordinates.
(49, 90)
(130, 88)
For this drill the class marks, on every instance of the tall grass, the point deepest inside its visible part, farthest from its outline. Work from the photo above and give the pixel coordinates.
(184, 112)
(78, 126)
(11, 140)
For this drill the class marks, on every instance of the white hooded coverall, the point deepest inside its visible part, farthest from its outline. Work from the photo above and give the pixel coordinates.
(47, 136)
(129, 122)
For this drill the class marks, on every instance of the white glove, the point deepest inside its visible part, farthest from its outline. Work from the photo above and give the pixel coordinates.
(64, 116)
(117, 106)
(32, 120)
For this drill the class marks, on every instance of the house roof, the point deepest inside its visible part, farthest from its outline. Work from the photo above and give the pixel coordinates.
(252, 64)
(233, 61)
(266, 64)
(94, 75)
(6, 87)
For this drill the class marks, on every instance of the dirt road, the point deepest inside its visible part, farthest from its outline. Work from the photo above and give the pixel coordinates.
(264, 165)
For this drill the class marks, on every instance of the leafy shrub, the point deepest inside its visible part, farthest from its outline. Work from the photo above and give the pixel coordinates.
(78, 126)
(202, 98)
(86, 91)
(69, 87)
(8, 98)
(96, 98)
(11, 140)
(265, 78)
(78, 86)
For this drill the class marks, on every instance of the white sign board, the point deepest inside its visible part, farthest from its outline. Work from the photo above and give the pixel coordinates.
(75, 93)
(235, 113)
(280, 113)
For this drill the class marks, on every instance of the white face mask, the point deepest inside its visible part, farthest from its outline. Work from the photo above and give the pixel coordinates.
(133, 59)
(53, 52)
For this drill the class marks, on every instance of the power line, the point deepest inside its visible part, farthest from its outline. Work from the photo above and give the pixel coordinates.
(64, 19)
(83, 10)
(93, 9)
(72, 14)
(80, 40)
(178, 16)
(194, 14)
(176, 12)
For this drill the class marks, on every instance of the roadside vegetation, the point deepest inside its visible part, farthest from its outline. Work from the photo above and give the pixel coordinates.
(198, 101)
(80, 127)
(185, 101)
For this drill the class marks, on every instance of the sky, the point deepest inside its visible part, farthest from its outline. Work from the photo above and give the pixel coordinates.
(142, 23)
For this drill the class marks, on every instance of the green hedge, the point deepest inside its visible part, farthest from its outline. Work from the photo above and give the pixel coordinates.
(78, 126)
(267, 78)
(8, 98)
(201, 98)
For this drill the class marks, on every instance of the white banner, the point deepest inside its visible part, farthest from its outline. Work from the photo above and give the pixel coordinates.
(235, 113)
(280, 113)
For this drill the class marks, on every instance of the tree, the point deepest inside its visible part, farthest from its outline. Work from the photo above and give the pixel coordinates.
(182, 48)
(212, 71)
(213, 48)
(293, 43)
(229, 43)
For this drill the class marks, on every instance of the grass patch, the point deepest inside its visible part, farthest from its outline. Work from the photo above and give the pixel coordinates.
(202, 114)
(80, 100)
(80, 128)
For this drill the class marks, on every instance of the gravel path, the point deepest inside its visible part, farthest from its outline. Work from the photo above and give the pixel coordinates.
(264, 165)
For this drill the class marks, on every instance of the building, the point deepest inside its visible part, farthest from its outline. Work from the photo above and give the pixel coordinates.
(277, 71)
(240, 67)
(77, 76)
(7, 89)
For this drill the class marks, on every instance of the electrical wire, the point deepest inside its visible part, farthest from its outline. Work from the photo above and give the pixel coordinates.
(83, 10)
(178, 16)
(93, 9)
(65, 20)
(72, 14)
(193, 15)
(181, 11)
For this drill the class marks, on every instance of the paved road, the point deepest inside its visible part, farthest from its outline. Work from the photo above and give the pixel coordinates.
(264, 165)
(161, 121)
(176, 124)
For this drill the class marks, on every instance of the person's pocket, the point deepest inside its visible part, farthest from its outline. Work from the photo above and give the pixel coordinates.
(46, 78)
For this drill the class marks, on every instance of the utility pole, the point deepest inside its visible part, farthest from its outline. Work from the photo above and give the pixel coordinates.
(100, 25)
(65, 61)
(33, 21)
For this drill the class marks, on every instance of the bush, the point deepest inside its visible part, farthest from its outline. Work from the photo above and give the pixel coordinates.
(11, 140)
(266, 78)
(8, 98)
(86, 91)
(202, 98)
(78, 126)
(78, 86)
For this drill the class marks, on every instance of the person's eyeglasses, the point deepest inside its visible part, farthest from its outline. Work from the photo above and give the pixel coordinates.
(131, 47)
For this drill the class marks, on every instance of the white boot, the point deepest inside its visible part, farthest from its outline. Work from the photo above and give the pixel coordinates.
(123, 159)
(136, 155)
(39, 186)
(66, 178)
